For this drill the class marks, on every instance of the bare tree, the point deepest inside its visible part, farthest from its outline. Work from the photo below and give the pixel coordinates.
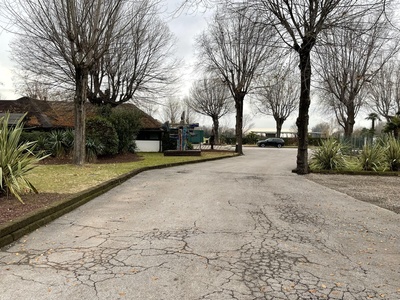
(300, 23)
(35, 90)
(247, 123)
(348, 62)
(188, 111)
(68, 38)
(324, 129)
(149, 107)
(33, 87)
(278, 94)
(210, 97)
(172, 111)
(236, 48)
(384, 90)
(139, 63)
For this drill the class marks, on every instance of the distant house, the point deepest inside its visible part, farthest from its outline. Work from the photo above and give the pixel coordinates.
(271, 132)
(50, 115)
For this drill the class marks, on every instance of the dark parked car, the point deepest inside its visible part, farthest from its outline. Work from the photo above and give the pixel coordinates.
(276, 142)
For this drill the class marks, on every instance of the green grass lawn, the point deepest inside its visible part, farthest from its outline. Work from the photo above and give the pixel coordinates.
(69, 179)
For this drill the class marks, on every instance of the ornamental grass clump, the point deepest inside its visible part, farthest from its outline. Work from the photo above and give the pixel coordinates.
(372, 157)
(392, 153)
(16, 159)
(329, 156)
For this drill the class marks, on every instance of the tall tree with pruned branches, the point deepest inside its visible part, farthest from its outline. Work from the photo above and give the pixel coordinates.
(105, 51)
(67, 38)
(210, 97)
(237, 49)
(384, 90)
(300, 24)
(349, 61)
(278, 93)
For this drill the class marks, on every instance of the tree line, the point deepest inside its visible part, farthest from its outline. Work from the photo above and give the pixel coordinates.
(277, 53)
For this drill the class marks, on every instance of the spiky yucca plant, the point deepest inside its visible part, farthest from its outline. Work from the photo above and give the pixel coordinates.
(16, 159)
(372, 157)
(60, 142)
(93, 148)
(328, 156)
(392, 153)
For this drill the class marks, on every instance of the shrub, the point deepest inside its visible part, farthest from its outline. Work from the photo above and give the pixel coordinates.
(328, 156)
(315, 141)
(132, 147)
(31, 136)
(58, 144)
(101, 134)
(41, 143)
(372, 157)
(127, 124)
(392, 153)
(40, 137)
(93, 148)
(69, 140)
(251, 138)
(16, 159)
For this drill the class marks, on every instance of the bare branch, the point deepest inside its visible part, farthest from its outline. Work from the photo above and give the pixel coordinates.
(211, 97)
(237, 47)
(349, 61)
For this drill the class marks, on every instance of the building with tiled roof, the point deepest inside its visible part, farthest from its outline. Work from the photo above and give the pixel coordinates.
(49, 115)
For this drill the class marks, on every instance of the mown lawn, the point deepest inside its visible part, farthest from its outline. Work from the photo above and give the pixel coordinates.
(70, 179)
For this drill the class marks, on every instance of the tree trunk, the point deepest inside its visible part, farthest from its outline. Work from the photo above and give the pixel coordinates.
(396, 133)
(81, 78)
(303, 117)
(239, 99)
(279, 124)
(349, 128)
(350, 121)
(216, 129)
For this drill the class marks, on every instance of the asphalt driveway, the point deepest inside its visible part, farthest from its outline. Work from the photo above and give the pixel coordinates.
(237, 228)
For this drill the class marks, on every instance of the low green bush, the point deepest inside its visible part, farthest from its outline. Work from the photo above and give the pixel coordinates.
(57, 143)
(101, 134)
(251, 138)
(31, 136)
(93, 149)
(380, 156)
(127, 124)
(328, 156)
(40, 137)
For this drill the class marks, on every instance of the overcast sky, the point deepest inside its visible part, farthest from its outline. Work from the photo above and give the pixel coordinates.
(185, 27)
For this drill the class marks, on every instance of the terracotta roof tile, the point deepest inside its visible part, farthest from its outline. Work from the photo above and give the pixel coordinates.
(60, 114)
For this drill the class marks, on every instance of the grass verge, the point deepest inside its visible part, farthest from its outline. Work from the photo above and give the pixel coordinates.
(70, 179)
(81, 184)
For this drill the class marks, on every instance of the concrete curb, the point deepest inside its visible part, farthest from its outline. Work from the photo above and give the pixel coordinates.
(363, 173)
(12, 231)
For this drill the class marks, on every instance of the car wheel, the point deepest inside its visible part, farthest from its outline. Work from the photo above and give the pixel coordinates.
(262, 145)
(279, 146)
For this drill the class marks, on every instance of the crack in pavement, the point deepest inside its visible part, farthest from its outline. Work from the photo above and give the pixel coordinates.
(263, 244)
(263, 267)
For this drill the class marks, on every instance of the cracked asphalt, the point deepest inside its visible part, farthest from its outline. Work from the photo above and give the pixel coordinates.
(237, 228)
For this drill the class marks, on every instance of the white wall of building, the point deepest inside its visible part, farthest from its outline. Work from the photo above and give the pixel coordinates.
(147, 146)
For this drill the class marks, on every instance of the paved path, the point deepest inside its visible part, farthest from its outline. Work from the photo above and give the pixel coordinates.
(239, 228)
